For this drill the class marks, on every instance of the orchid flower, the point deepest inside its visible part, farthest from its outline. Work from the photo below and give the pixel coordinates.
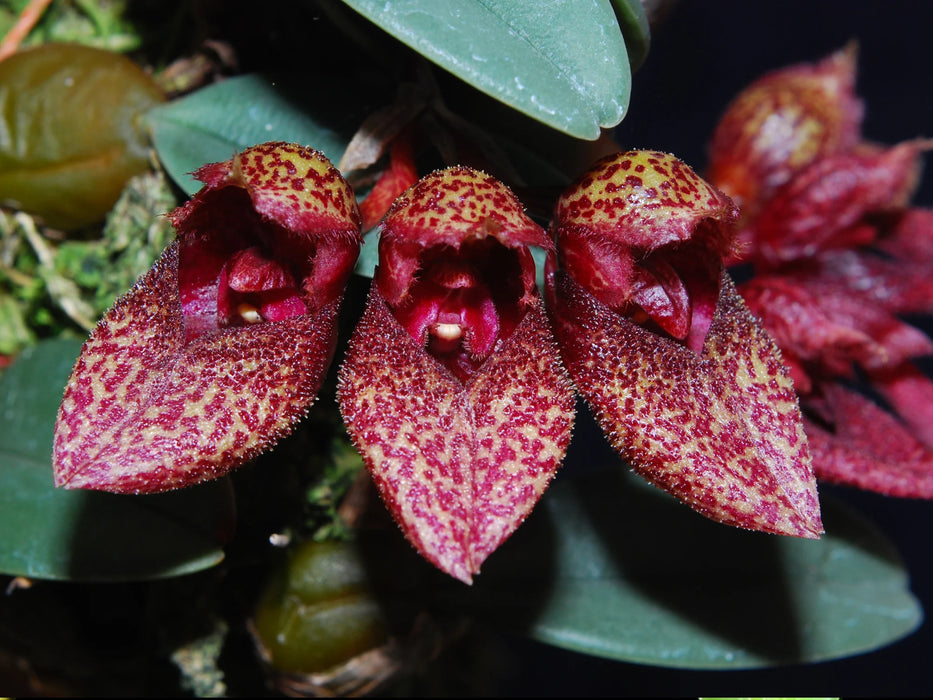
(838, 255)
(683, 380)
(452, 387)
(224, 343)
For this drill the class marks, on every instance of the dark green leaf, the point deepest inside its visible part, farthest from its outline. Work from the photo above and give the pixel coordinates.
(210, 125)
(87, 535)
(562, 62)
(634, 24)
(610, 568)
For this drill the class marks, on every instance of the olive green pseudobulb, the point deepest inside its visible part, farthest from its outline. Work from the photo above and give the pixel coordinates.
(318, 611)
(71, 131)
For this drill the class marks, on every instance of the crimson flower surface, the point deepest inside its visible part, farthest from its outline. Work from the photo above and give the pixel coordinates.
(838, 257)
(683, 380)
(224, 343)
(452, 387)
(781, 123)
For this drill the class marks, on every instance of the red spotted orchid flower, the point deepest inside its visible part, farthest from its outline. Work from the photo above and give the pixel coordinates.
(452, 387)
(683, 380)
(225, 342)
(809, 110)
(838, 257)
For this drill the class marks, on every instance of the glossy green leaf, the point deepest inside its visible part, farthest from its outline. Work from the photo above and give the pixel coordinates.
(211, 124)
(70, 133)
(562, 62)
(52, 533)
(614, 569)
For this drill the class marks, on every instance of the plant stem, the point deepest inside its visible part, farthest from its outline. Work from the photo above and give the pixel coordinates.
(27, 20)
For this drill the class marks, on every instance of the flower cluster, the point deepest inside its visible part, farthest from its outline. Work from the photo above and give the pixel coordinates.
(458, 386)
(838, 256)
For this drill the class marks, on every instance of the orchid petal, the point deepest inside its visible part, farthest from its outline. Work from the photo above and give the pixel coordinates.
(900, 285)
(892, 340)
(458, 466)
(801, 327)
(869, 448)
(720, 430)
(909, 391)
(911, 237)
(813, 211)
(645, 200)
(829, 327)
(398, 177)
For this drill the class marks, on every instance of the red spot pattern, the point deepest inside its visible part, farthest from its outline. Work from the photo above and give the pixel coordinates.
(649, 245)
(460, 452)
(145, 412)
(459, 466)
(721, 429)
(661, 205)
(460, 203)
(297, 187)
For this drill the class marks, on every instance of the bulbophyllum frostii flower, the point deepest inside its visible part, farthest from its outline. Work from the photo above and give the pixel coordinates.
(452, 387)
(838, 255)
(224, 343)
(812, 110)
(683, 380)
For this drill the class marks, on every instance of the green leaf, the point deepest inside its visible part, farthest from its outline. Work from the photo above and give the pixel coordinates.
(610, 568)
(52, 533)
(369, 255)
(634, 25)
(68, 131)
(211, 124)
(561, 62)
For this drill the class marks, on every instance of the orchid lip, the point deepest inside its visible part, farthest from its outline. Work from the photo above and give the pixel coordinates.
(456, 310)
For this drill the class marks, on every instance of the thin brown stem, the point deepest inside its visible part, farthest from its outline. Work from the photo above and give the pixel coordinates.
(28, 18)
